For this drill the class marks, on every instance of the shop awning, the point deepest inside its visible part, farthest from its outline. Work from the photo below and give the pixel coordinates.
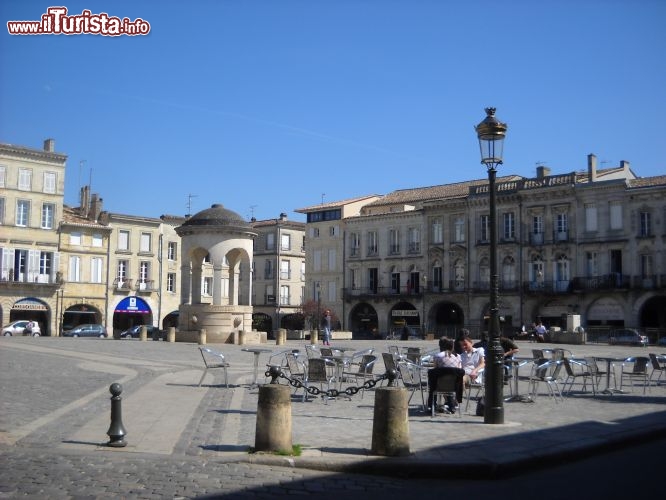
(132, 305)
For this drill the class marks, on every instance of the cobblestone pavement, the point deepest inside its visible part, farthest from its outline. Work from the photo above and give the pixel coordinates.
(54, 415)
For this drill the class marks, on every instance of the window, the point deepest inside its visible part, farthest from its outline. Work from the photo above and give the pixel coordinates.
(485, 228)
(20, 265)
(285, 242)
(268, 269)
(615, 215)
(536, 272)
(303, 271)
(3, 175)
(74, 268)
(123, 240)
(314, 231)
(562, 274)
(144, 245)
(97, 240)
(373, 280)
(144, 273)
(394, 241)
(414, 237)
(354, 281)
(48, 210)
(75, 238)
(2, 211)
(207, 288)
(537, 224)
(270, 241)
(484, 273)
(590, 217)
(646, 266)
(22, 213)
(646, 224)
(437, 233)
(270, 296)
(25, 179)
(284, 295)
(316, 256)
(437, 277)
(96, 270)
(45, 264)
(372, 243)
(171, 282)
(459, 229)
(333, 231)
(285, 271)
(591, 265)
(355, 244)
(509, 273)
(121, 272)
(172, 247)
(332, 260)
(395, 281)
(332, 291)
(562, 223)
(509, 230)
(49, 182)
(459, 274)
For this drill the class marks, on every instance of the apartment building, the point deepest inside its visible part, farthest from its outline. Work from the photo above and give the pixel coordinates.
(279, 273)
(32, 187)
(588, 243)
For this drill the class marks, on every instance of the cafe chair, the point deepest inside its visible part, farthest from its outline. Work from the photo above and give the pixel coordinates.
(362, 372)
(312, 351)
(316, 373)
(577, 370)
(447, 385)
(597, 373)
(476, 386)
(296, 370)
(410, 374)
(635, 368)
(546, 372)
(213, 360)
(390, 363)
(656, 368)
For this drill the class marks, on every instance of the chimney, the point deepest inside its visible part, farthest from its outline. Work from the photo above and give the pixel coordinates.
(283, 216)
(591, 168)
(95, 207)
(49, 145)
(84, 202)
(542, 171)
(624, 164)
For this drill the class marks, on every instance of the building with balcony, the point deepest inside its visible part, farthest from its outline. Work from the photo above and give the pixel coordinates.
(279, 274)
(588, 243)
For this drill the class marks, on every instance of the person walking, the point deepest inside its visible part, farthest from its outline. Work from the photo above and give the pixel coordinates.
(326, 324)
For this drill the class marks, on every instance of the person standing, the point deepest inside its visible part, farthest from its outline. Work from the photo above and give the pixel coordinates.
(326, 324)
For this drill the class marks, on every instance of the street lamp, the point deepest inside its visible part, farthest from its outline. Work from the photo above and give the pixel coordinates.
(318, 287)
(491, 133)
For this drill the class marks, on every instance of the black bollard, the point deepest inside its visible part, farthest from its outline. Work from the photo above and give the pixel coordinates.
(116, 430)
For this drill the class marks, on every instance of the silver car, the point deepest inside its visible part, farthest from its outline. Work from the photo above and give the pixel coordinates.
(15, 328)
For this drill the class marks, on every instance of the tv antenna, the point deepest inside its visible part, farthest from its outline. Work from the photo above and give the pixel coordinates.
(189, 202)
(252, 207)
(322, 198)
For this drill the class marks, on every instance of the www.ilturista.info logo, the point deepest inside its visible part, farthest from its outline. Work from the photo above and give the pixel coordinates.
(56, 22)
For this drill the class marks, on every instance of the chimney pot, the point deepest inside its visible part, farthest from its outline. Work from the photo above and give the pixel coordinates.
(49, 145)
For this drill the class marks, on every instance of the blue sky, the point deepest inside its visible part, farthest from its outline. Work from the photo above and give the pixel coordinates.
(268, 106)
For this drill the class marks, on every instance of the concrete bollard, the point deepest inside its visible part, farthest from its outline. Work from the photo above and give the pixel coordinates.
(390, 427)
(281, 336)
(314, 336)
(273, 430)
(241, 337)
(116, 430)
(171, 334)
(143, 333)
(202, 336)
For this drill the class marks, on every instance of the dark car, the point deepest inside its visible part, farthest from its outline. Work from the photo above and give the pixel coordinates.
(627, 336)
(135, 332)
(86, 330)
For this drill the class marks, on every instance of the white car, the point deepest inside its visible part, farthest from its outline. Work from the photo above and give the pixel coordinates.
(15, 328)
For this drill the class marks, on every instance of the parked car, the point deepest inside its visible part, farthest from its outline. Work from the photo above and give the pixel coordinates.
(15, 328)
(661, 341)
(86, 330)
(627, 336)
(32, 328)
(135, 332)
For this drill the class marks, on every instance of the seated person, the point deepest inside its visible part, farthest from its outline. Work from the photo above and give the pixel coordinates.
(473, 361)
(445, 361)
(510, 348)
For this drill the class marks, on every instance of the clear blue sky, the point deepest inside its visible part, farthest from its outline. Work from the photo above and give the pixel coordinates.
(268, 106)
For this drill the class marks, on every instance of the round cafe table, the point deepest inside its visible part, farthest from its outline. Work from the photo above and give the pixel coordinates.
(257, 351)
(516, 363)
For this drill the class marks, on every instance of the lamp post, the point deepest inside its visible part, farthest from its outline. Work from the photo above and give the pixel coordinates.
(491, 133)
(425, 289)
(318, 287)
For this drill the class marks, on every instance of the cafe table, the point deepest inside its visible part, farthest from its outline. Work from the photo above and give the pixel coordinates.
(609, 366)
(516, 363)
(257, 351)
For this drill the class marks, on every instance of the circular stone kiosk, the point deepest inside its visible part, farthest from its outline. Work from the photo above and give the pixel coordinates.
(216, 284)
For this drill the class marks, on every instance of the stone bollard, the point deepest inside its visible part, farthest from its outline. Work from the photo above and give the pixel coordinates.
(273, 430)
(202, 336)
(143, 333)
(241, 337)
(390, 427)
(281, 336)
(314, 336)
(171, 334)
(116, 430)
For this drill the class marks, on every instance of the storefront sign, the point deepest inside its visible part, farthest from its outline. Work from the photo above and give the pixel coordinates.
(29, 305)
(404, 312)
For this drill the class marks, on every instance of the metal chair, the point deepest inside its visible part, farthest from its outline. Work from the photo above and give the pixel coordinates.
(657, 367)
(213, 359)
(546, 372)
(635, 368)
(596, 372)
(296, 371)
(363, 372)
(474, 385)
(410, 374)
(577, 370)
(316, 374)
(447, 385)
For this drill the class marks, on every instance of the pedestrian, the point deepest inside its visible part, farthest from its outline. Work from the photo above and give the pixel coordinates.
(540, 332)
(326, 324)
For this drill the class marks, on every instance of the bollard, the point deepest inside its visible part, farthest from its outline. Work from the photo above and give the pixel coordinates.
(171, 334)
(273, 430)
(143, 333)
(314, 337)
(116, 430)
(390, 427)
(241, 337)
(202, 336)
(281, 336)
